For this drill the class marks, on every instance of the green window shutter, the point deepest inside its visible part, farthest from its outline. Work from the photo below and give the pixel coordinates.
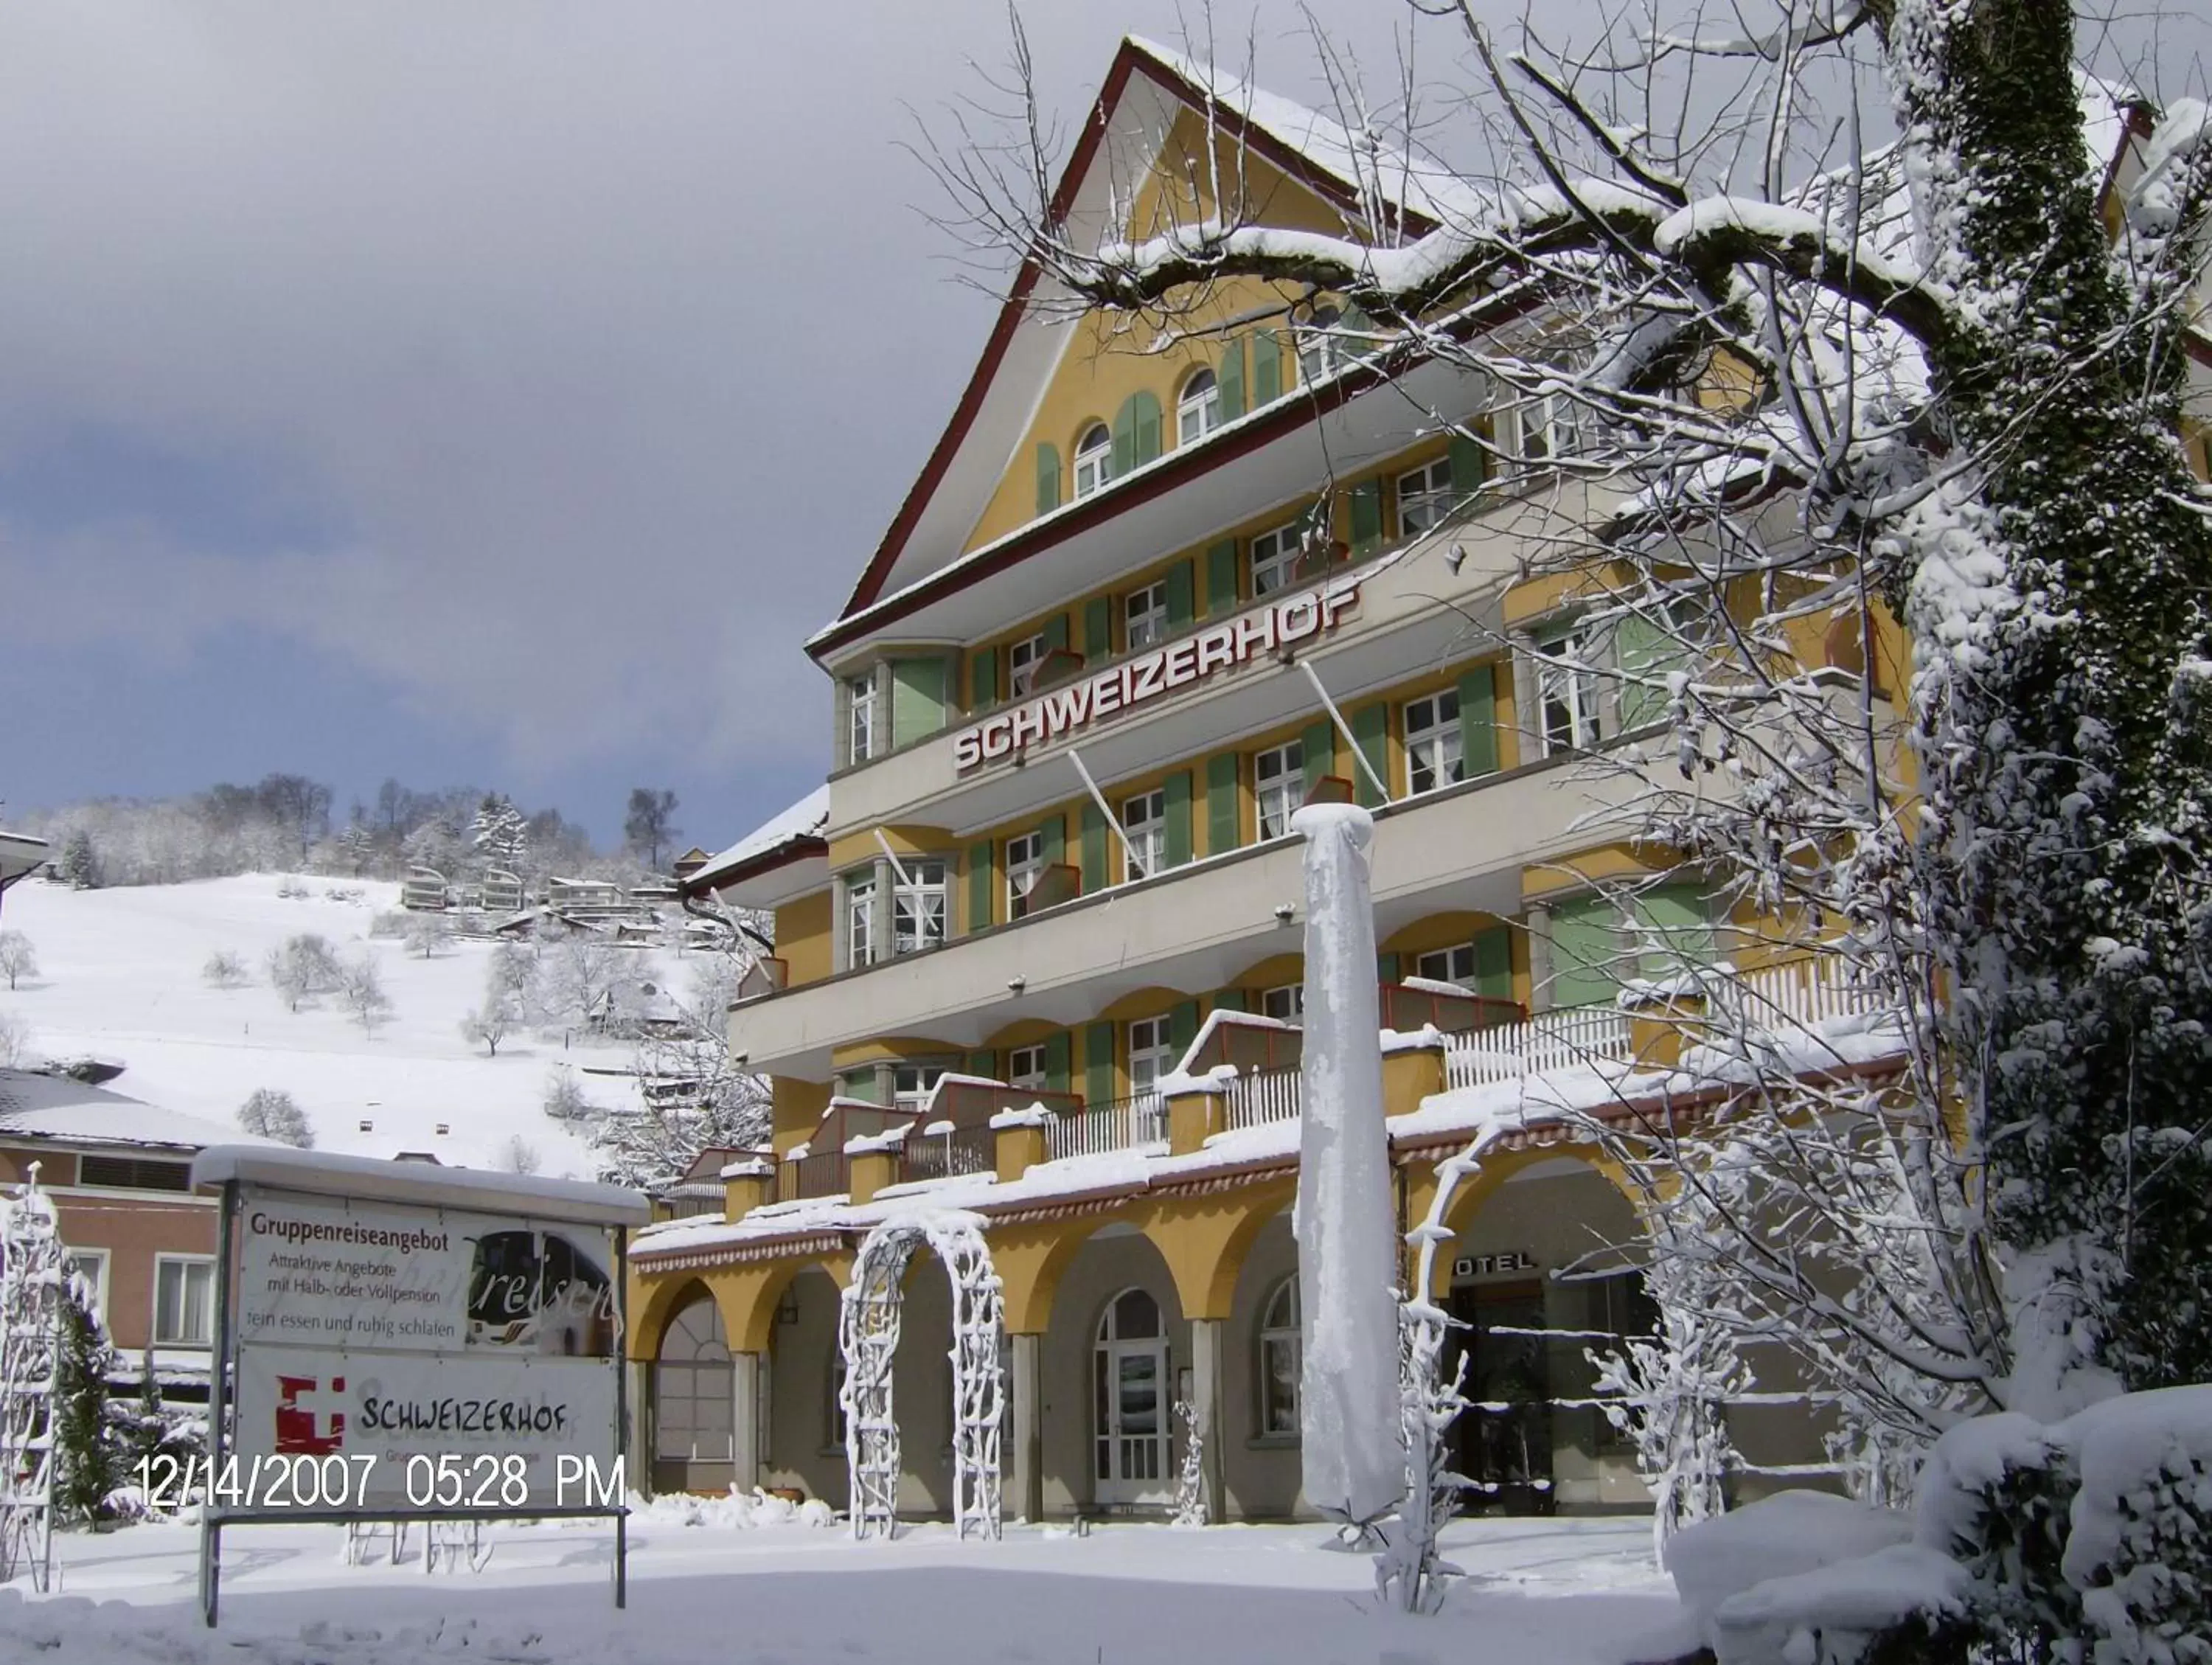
(1229, 378)
(1055, 1063)
(1645, 649)
(982, 678)
(1221, 578)
(1470, 467)
(1319, 745)
(985, 1064)
(917, 698)
(1144, 425)
(1221, 816)
(1678, 925)
(1180, 609)
(1266, 369)
(979, 887)
(1047, 478)
(1388, 965)
(1359, 329)
(1098, 1064)
(1494, 962)
(1176, 791)
(1054, 632)
(1586, 967)
(1477, 721)
(865, 1085)
(1056, 840)
(1094, 849)
(1098, 628)
(1183, 1027)
(1370, 727)
(1231, 1000)
(1125, 438)
(1366, 516)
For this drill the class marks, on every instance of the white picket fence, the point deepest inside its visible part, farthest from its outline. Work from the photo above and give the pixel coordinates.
(1121, 1124)
(1803, 992)
(1263, 1095)
(1548, 1041)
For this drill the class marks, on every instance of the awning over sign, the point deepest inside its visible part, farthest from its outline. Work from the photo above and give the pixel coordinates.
(369, 1179)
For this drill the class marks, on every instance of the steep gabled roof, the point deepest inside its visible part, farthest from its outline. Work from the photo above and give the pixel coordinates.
(1343, 169)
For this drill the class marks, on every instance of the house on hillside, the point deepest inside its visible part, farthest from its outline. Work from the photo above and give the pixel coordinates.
(502, 892)
(119, 1173)
(425, 890)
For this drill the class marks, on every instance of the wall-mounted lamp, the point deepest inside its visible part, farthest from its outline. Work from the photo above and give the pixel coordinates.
(1016, 985)
(1285, 913)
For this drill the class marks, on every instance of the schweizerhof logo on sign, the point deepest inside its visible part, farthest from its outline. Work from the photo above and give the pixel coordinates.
(1048, 717)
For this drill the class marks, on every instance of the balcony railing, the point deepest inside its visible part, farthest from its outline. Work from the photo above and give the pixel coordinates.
(818, 1174)
(1118, 1124)
(1549, 1041)
(1262, 1096)
(956, 1151)
(1409, 1008)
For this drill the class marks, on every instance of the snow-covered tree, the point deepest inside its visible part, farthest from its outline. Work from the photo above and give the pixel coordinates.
(18, 958)
(14, 1040)
(499, 835)
(649, 825)
(224, 969)
(79, 864)
(587, 969)
(500, 1012)
(88, 1465)
(564, 1097)
(274, 1113)
(425, 933)
(519, 1156)
(693, 1093)
(361, 987)
(302, 967)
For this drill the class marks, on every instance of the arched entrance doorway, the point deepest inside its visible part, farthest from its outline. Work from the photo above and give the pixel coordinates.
(693, 1399)
(867, 1338)
(1129, 1373)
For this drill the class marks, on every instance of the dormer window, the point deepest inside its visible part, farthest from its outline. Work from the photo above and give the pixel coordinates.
(1094, 459)
(1199, 411)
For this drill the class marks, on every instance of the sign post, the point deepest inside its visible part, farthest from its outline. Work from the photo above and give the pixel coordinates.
(404, 1343)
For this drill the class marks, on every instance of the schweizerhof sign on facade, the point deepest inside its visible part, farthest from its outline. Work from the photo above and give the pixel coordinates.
(1060, 711)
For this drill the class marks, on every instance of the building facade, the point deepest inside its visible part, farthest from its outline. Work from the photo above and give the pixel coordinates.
(1038, 939)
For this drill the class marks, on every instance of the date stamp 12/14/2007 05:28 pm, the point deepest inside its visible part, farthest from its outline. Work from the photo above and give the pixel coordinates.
(334, 1483)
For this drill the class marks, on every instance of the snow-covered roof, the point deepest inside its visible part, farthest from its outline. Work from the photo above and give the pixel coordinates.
(67, 1112)
(802, 822)
(1362, 162)
(317, 1173)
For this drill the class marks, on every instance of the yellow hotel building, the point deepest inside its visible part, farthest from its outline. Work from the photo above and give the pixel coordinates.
(1148, 596)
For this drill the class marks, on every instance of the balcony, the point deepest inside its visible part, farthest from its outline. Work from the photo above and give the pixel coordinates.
(1195, 928)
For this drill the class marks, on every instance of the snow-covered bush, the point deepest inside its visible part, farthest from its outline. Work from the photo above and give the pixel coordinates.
(224, 969)
(293, 888)
(274, 1115)
(360, 985)
(564, 1097)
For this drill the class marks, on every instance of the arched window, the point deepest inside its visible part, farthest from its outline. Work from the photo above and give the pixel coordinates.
(691, 1387)
(1094, 459)
(1198, 413)
(1279, 1360)
(1130, 1390)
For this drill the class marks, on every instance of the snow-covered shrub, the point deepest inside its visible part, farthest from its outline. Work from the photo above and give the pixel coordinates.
(292, 888)
(361, 985)
(564, 1097)
(274, 1115)
(225, 968)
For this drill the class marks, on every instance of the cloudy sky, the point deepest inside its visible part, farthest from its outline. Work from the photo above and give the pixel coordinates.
(494, 393)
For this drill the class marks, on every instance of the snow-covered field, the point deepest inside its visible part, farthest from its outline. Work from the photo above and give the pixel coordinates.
(119, 977)
(1561, 1592)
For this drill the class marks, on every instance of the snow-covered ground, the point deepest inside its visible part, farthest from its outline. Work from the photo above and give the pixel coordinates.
(1563, 1592)
(119, 977)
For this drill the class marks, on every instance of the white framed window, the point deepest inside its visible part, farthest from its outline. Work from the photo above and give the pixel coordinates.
(1197, 412)
(1279, 786)
(1024, 866)
(1279, 1362)
(1454, 964)
(1319, 351)
(692, 1389)
(1425, 497)
(1145, 819)
(1275, 558)
(1568, 693)
(1094, 459)
(911, 1084)
(1145, 615)
(1546, 428)
(1022, 662)
(1025, 1068)
(1433, 750)
(184, 1301)
(1286, 1005)
(91, 1265)
(860, 721)
(1151, 1053)
(918, 906)
(860, 918)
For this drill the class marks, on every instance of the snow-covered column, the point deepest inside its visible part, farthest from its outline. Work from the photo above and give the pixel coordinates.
(1026, 1384)
(1348, 1404)
(745, 1432)
(1205, 1399)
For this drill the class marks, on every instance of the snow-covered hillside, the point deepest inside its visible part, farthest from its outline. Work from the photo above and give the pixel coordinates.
(119, 977)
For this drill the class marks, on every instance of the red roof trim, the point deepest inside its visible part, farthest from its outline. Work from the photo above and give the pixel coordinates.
(802, 849)
(1128, 59)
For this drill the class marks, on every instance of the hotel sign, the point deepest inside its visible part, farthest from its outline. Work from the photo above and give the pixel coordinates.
(1062, 711)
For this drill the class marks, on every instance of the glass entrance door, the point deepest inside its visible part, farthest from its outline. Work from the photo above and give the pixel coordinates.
(1506, 1432)
(1130, 1387)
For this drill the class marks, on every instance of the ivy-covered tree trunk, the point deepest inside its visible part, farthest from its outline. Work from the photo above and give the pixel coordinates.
(2059, 593)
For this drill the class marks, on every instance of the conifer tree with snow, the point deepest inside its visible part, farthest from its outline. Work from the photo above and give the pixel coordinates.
(88, 1463)
(499, 835)
(80, 863)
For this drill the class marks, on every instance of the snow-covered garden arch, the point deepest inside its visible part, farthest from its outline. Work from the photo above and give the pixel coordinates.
(868, 1336)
